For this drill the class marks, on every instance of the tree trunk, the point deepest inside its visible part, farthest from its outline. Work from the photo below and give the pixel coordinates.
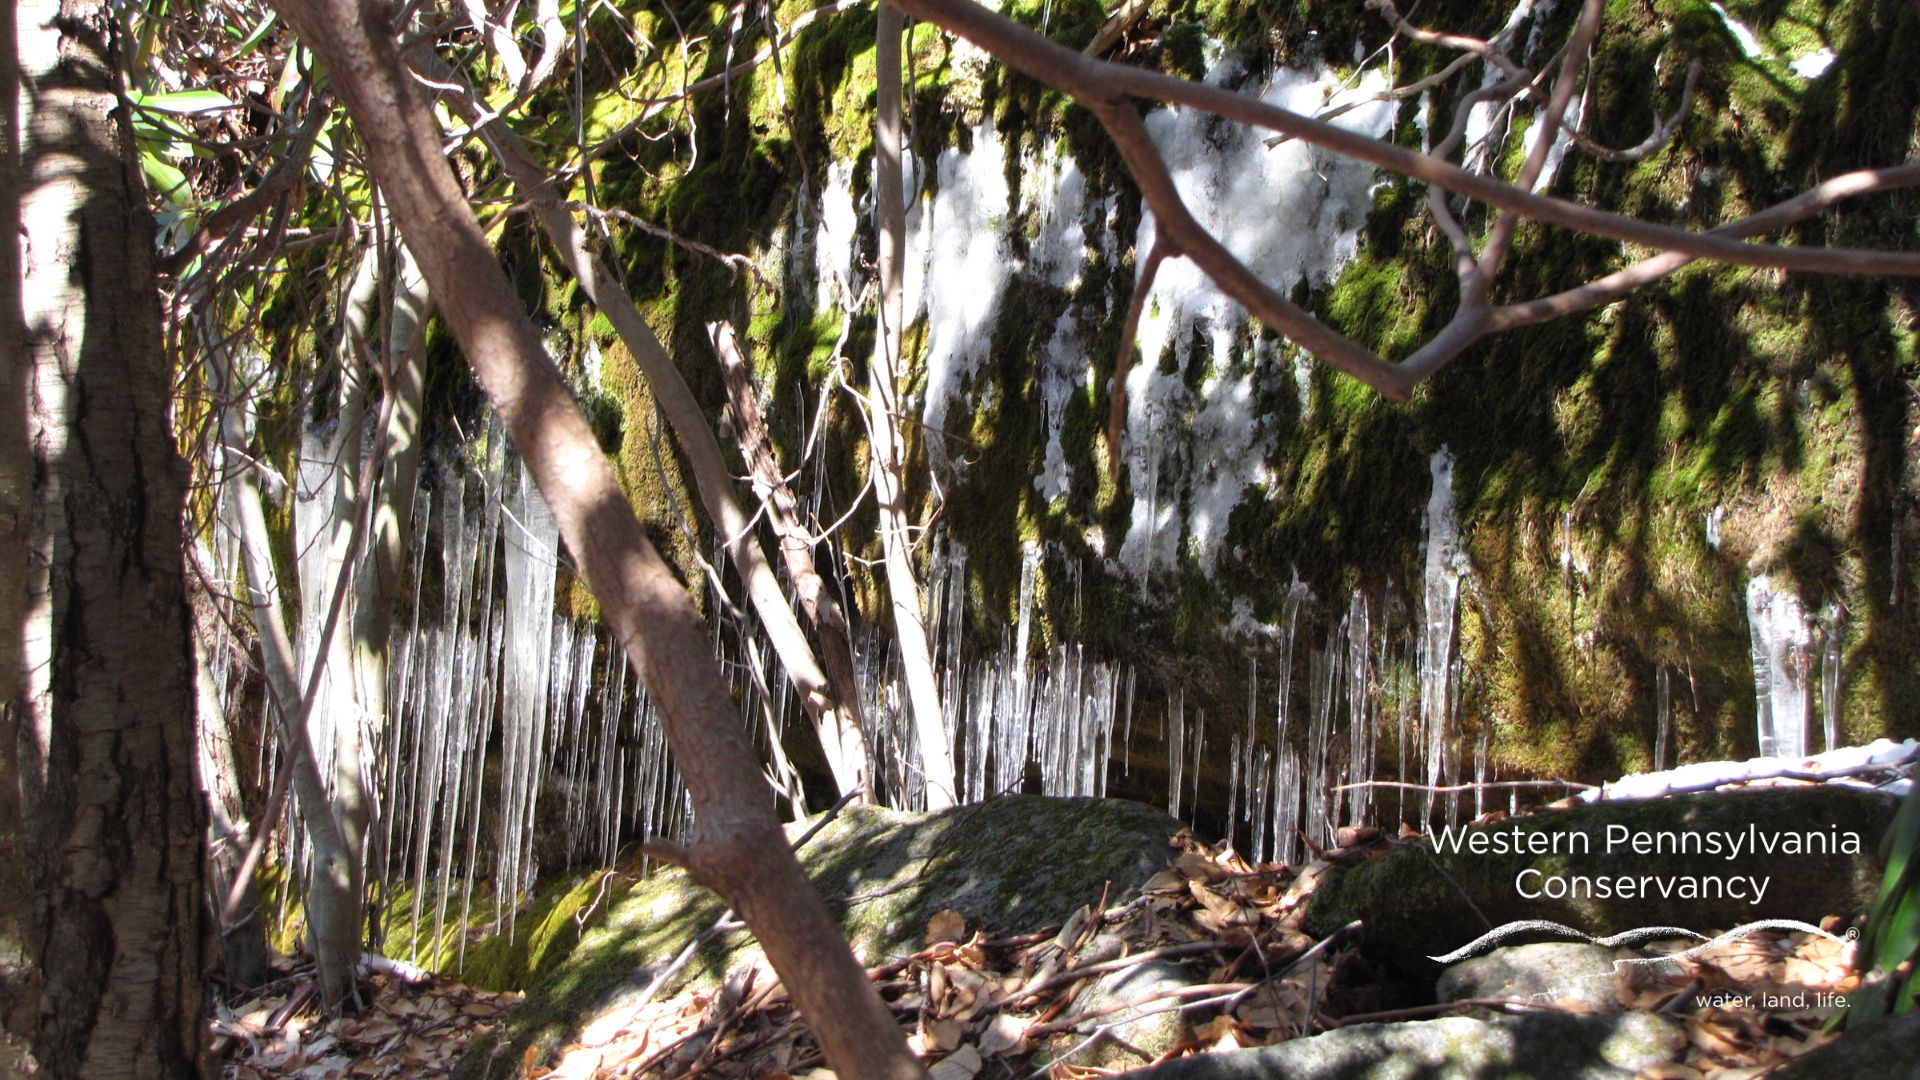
(329, 561)
(333, 904)
(17, 1001)
(105, 770)
(243, 939)
(739, 849)
(888, 459)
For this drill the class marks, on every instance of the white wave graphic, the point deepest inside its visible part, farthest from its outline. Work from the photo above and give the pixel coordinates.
(1495, 937)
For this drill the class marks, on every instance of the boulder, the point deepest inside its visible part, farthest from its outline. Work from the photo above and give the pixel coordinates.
(1420, 902)
(1884, 1048)
(1549, 972)
(1011, 864)
(1151, 1028)
(1546, 1045)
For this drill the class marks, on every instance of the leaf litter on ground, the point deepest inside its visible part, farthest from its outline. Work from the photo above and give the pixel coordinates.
(965, 999)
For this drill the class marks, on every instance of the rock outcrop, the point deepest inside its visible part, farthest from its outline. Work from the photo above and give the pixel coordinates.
(1014, 863)
(1545, 1045)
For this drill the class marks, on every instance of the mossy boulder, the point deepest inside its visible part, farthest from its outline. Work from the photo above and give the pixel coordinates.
(1457, 1048)
(1420, 901)
(1015, 863)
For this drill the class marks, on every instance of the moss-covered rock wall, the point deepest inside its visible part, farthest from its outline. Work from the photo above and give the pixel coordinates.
(1591, 453)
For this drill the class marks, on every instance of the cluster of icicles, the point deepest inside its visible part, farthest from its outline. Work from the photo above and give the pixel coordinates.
(509, 723)
(1370, 684)
(569, 719)
(499, 705)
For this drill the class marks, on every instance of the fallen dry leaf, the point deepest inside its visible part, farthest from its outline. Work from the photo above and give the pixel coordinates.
(1005, 1033)
(962, 1064)
(946, 925)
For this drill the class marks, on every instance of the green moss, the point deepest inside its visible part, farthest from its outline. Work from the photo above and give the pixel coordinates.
(1590, 450)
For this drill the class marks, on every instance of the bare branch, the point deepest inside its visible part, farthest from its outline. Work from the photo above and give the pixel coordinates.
(1663, 129)
(1106, 89)
(1572, 67)
(1109, 32)
(1398, 93)
(1472, 45)
(1814, 200)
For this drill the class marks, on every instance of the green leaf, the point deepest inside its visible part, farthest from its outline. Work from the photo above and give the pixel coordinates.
(320, 158)
(1893, 922)
(1899, 937)
(184, 102)
(1897, 848)
(259, 33)
(165, 180)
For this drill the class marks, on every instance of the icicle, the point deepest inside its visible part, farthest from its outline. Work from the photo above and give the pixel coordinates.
(1359, 710)
(1246, 776)
(1441, 582)
(1286, 805)
(1233, 785)
(1260, 821)
(1780, 638)
(1175, 726)
(1480, 775)
(1198, 757)
(530, 557)
(1323, 678)
(1029, 570)
(1830, 677)
(1663, 705)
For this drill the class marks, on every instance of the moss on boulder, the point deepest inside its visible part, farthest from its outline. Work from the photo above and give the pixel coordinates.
(1457, 1048)
(1014, 863)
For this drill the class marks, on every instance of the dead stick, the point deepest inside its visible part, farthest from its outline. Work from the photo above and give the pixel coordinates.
(1446, 789)
(1073, 975)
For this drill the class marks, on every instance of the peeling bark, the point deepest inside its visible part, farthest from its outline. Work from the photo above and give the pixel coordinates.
(104, 770)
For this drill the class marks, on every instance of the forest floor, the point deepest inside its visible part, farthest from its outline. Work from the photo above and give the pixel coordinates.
(1034, 1004)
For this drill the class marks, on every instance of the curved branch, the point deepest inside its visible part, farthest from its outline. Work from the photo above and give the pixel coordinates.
(1663, 127)
(1471, 45)
(1176, 222)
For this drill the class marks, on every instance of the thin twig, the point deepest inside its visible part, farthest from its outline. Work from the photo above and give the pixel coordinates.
(1449, 789)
